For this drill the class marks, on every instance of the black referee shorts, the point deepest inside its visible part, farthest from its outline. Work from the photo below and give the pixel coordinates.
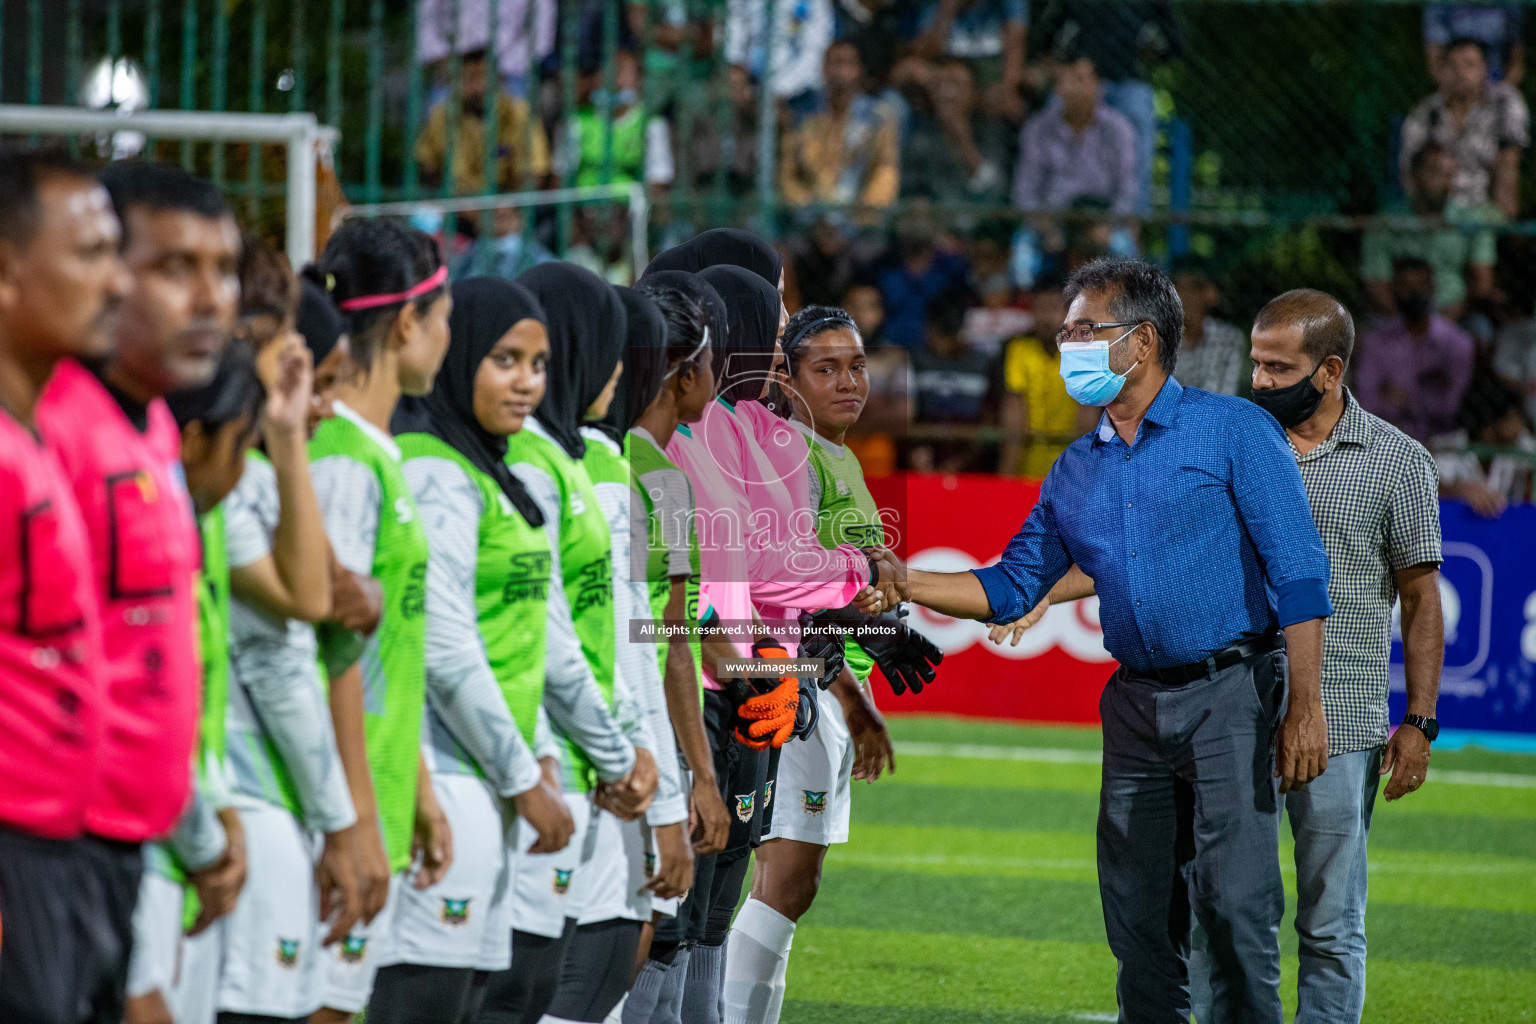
(66, 927)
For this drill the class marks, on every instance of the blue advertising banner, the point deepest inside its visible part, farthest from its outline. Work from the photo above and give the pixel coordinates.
(1488, 594)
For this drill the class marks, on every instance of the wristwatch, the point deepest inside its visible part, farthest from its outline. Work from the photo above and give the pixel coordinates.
(1428, 726)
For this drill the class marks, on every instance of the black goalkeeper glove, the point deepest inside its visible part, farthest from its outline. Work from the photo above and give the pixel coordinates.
(906, 658)
(824, 640)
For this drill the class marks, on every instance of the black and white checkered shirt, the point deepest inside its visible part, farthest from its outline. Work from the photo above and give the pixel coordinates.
(1375, 498)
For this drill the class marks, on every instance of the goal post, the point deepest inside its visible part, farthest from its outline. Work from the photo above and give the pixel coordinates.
(305, 138)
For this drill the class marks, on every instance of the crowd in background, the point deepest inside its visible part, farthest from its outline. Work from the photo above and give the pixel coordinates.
(1042, 113)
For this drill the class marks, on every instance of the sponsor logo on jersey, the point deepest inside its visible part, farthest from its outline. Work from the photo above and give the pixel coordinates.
(405, 510)
(843, 488)
(744, 806)
(354, 948)
(815, 803)
(562, 881)
(413, 602)
(529, 577)
(578, 506)
(287, 952)
(455, 912)
(594, 586)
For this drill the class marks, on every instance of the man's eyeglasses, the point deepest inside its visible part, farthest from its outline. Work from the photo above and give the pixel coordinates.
(1084, 332)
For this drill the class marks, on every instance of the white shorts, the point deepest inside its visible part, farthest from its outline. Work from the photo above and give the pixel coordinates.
(152, 967)
(465, 920)
(348, 967)
(614, 879)
(194, 997)
(544, 889)
(815, 781)
(271, 954)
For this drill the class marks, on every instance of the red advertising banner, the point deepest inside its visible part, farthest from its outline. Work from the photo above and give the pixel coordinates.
(952, 523)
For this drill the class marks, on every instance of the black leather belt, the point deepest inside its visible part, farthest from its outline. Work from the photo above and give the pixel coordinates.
(1178, 675)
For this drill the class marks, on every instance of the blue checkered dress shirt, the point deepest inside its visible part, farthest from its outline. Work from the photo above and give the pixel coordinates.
(1196, 537)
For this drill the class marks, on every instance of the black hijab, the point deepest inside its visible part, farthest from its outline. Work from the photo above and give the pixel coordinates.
(645, 360)
(587, 327)
(723, 247)
(752, 306)
(484, 309)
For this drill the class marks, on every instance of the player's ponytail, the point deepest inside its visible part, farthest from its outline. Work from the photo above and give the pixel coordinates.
(804, 326)
(371, 269)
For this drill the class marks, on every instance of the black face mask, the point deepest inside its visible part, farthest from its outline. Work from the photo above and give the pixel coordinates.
(1293, 405)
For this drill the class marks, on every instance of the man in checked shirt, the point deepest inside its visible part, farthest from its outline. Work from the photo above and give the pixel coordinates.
(1373, 495)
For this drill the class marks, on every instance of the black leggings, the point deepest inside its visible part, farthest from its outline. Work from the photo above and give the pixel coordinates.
(416, 994)
(522, 994)
(596, 972)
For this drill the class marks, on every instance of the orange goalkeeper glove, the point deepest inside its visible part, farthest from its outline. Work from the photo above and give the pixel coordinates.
(769, 717)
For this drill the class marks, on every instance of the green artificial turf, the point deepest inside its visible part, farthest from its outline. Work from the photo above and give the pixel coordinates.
(968, 894)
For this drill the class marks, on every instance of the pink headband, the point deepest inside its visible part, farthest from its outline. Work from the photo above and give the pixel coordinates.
(373, 301)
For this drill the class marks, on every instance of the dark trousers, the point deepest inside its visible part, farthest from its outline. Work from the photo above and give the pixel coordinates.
(66, 907)
(1188, 822)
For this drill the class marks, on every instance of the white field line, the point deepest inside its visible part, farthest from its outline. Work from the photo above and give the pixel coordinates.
(1058, 755)
(926, 860)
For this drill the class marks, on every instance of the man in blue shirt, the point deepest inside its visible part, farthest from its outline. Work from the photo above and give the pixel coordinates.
(1186, 511)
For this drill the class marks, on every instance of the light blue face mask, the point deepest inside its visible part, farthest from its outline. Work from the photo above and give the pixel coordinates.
(1085, 368)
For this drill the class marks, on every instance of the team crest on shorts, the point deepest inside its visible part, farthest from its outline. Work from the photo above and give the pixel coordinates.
(814, 802)
(455, 912)
(768, 794)
(562, 881)
(354, 948)
(744, 806)
(288, 952)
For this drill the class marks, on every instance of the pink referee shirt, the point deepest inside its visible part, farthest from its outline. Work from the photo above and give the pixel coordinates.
(51, 687)
(145, 549)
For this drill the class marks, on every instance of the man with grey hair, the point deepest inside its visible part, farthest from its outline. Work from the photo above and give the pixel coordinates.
(1186, 510)
(1373, 495)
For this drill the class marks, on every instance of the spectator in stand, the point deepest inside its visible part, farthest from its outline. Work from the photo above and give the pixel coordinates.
(800, 46)
(988, 37)
(919, 270)
(1124, 39)
(728, 151)
(822, 263)
(1038, 417)
(1002, 313)
(1498, 26)
(1214, 354)
(522, 149)
(848, 151)
(953, 384)
(1077, 154)
(1514, 360)
(509, 255)
(436, 38)
(952, 151)
(1489, 481)
(1446, 235)
(888, 410)
(1414, 368)
(1483, 125)
(641, 146)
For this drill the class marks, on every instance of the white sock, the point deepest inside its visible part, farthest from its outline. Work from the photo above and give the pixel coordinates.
(551, 1019)
(756, 960)
(616, 1015)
